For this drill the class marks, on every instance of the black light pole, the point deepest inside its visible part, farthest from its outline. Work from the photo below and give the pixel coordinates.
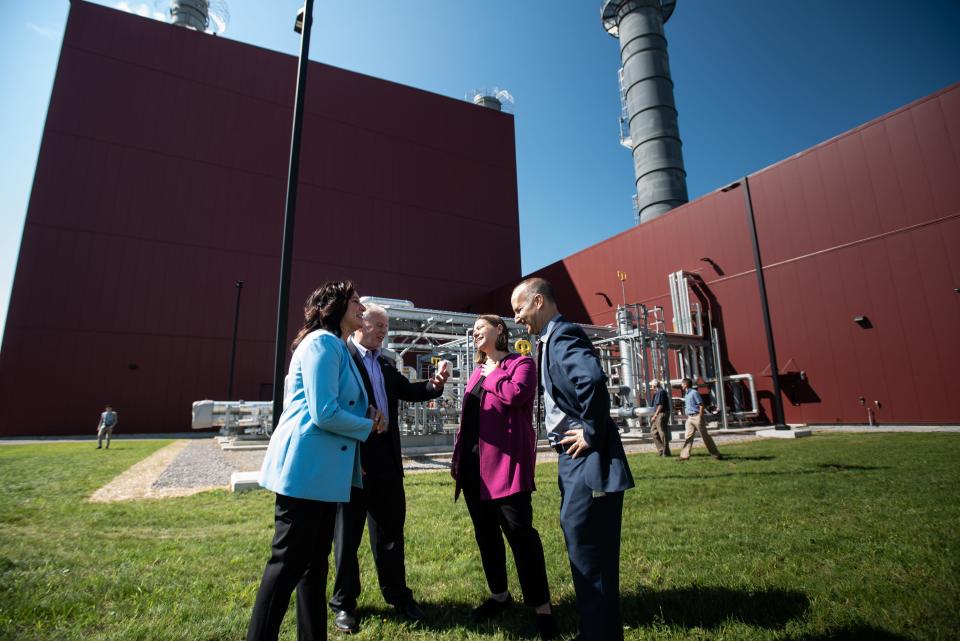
(302, 26)
(233, 346)
(778, 418)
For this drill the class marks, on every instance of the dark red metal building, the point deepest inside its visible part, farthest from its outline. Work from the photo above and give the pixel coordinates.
(160, 182)
(864, 225)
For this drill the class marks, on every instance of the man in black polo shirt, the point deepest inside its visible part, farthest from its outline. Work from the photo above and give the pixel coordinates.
(660, 421)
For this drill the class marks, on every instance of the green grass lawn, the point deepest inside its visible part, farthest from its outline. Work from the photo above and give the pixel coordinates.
(826, 538)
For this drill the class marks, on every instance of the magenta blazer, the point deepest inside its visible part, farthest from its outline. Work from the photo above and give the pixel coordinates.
(508, 442)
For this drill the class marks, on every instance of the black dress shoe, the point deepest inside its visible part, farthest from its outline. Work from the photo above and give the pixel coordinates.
(490, 608)
(410, 610)
(546, 626)
(346, 622)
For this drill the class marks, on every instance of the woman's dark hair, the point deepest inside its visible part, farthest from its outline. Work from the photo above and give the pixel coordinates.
(325, 308)
(503, 339)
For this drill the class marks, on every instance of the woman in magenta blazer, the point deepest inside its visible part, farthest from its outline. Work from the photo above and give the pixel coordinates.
(493, 464)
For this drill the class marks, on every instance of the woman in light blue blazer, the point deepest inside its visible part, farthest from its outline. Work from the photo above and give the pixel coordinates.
(312, 462)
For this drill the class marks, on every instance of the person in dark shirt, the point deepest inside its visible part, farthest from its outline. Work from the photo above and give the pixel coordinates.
(660, 421)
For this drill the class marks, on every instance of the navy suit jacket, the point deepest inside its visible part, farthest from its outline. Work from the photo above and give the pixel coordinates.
(577, 384)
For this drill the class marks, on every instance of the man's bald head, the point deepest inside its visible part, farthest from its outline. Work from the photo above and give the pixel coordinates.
(537, 285)
(533, 304)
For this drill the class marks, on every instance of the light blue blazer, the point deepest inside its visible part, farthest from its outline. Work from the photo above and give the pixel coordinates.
(313, 452)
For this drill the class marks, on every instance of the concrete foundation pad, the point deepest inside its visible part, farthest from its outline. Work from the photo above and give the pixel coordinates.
(791, 433)
(244, 445)
(242, 481)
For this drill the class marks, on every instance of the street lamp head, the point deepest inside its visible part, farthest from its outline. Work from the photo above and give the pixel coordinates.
(298, 24)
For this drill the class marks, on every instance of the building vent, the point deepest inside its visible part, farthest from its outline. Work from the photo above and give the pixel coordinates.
(210, 16)
(495, 98)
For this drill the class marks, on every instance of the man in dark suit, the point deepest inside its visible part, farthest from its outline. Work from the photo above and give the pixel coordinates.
(381, 500)
(592, 468)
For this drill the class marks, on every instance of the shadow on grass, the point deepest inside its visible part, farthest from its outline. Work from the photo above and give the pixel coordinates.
(739, 457)
(823, 468)
(845, 467)
(445, 616)
(516, 623)
(711, 606)
(855, 633)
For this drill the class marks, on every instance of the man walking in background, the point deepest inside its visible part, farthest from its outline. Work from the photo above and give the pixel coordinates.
(693, 409)
(660, 421)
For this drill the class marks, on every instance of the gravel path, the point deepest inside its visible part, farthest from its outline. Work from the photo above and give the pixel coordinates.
(187, 467)
(244, 460)
(200, 464)
(136, 482)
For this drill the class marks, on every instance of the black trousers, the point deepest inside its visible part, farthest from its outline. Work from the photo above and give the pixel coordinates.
(513, 516)
(301, 545)
(591, 527)
(383, 504)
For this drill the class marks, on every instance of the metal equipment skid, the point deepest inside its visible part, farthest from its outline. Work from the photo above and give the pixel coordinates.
(633, 353)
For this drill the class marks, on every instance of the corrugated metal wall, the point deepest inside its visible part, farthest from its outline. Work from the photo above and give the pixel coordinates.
(161, 181)
(866, 224)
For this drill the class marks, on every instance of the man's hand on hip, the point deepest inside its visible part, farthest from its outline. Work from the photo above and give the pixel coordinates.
(578, 444)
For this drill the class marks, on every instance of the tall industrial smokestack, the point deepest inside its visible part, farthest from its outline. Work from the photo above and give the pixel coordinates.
(649, 109)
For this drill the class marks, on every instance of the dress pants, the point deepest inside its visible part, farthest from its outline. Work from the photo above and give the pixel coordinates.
(382, 503)
(693, 425)
(660, 427)
(513, 516)
(591, 528)
(301, 545)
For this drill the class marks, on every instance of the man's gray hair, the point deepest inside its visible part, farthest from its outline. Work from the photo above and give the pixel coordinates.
(373, 308)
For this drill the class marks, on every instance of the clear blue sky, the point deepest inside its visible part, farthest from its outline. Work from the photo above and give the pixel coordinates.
(756, 81)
